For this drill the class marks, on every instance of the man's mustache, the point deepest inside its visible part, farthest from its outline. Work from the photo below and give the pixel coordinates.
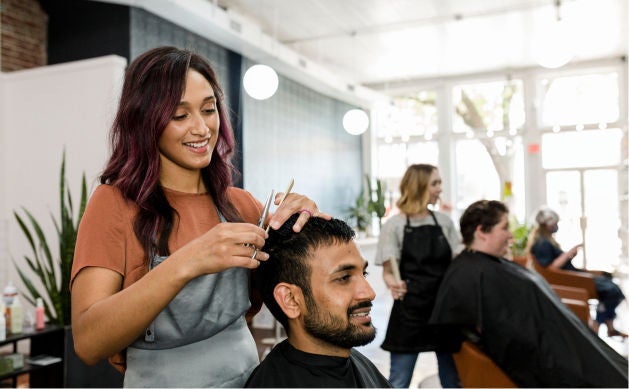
(364, 304)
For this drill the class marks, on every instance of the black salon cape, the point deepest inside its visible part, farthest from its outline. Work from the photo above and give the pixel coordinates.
(524, 327)
(287, 367)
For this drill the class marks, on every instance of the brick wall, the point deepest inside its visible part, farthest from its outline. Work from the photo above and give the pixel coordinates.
(23, 26)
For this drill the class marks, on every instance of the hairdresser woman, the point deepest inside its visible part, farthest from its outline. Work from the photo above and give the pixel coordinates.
(423, 243)
(161, 266)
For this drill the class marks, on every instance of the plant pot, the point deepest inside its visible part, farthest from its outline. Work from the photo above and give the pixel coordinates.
(79, 375)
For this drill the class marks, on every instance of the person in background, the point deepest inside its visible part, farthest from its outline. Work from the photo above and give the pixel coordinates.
(422, 243)
(548, 253)
(514, 316)
(314, 285)
(164, 250)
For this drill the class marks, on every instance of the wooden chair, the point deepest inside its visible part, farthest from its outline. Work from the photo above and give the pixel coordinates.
(522, 260)
(567, 278)
(576, 299)
(477, 370)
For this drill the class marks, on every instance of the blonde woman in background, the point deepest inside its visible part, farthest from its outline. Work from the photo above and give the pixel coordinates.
(548, 253)
(423, 243)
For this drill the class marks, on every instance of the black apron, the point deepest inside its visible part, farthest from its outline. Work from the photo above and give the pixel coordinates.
(425, 256)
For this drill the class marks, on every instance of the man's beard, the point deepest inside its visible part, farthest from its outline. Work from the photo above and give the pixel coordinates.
(335, 330)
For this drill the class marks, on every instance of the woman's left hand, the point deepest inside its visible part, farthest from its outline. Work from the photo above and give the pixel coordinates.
(292, 204)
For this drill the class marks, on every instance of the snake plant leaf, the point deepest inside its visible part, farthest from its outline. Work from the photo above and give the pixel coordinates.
(52, 271)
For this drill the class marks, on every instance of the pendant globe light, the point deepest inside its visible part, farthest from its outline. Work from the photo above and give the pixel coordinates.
(553, 44)
(260, 82)
(355, 121)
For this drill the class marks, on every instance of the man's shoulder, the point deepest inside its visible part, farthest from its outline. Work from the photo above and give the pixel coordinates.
(268, 372)
(367, 371)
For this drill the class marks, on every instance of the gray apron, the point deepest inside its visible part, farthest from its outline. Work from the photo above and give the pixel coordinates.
(200, 339)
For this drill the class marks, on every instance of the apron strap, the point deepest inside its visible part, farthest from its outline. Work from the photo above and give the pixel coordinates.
(434, 218)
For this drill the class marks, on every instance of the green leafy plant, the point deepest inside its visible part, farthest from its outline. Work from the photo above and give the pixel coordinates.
(375, 199)
(520, 237)
(53, 273)
(358, 214)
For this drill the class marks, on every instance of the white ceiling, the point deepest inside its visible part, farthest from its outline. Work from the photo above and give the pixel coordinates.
(355, 50)
(371, 42)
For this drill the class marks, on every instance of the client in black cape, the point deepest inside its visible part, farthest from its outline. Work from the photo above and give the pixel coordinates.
(515, 316)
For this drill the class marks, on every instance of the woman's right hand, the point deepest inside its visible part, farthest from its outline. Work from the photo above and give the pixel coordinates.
(574, 251)
(397, 288)
(225, 246)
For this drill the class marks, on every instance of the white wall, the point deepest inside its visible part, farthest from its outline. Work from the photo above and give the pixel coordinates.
(42, 111)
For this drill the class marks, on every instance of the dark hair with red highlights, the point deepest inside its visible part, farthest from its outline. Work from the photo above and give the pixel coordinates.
(153, 86)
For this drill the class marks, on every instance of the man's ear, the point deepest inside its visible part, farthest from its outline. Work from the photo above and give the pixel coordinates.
(289, 298)
(478, 233)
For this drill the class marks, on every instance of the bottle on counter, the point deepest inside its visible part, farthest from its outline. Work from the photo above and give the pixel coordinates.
(17, 316)
(3, 322)
(40, 315)
(9, 293)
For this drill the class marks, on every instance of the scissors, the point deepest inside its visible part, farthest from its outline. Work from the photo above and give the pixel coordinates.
(265, 212)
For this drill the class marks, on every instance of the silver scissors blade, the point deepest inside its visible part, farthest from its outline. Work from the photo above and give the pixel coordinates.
(265, 211)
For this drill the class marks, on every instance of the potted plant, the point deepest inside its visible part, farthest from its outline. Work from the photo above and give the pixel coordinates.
(375, 199)
(53, 272)
(358, 214)
(520, 240)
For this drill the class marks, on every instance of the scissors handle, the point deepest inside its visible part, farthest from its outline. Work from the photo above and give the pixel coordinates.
(286, 192)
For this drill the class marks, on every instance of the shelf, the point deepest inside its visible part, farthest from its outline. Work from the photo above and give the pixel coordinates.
(12, 338)
(49, 341)
(27, 368)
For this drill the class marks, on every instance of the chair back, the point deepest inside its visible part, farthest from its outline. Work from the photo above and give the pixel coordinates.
(477, 370)
(567, 278)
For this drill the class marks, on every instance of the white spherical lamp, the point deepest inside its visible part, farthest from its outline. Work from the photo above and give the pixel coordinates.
(355, 121)
(260, 82)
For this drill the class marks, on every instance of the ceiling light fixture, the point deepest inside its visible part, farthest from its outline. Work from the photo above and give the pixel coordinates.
(355, 121)
(553, 44)
(260, 82)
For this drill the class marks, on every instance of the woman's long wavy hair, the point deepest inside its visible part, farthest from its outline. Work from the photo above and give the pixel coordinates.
(153, 85)
(414, 188)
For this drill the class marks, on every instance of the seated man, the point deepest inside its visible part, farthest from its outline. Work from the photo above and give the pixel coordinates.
(515, 317)
(314, 284)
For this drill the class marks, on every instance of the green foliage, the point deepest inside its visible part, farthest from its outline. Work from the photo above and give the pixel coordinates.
(520, 237)
(359, 215)
(53, 273)
(375, 199)
(369, 201)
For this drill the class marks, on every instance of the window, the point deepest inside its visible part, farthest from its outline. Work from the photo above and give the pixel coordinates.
(476, 176)
(406, 134)
(579, 100)
(491, 107)
(581, 149)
